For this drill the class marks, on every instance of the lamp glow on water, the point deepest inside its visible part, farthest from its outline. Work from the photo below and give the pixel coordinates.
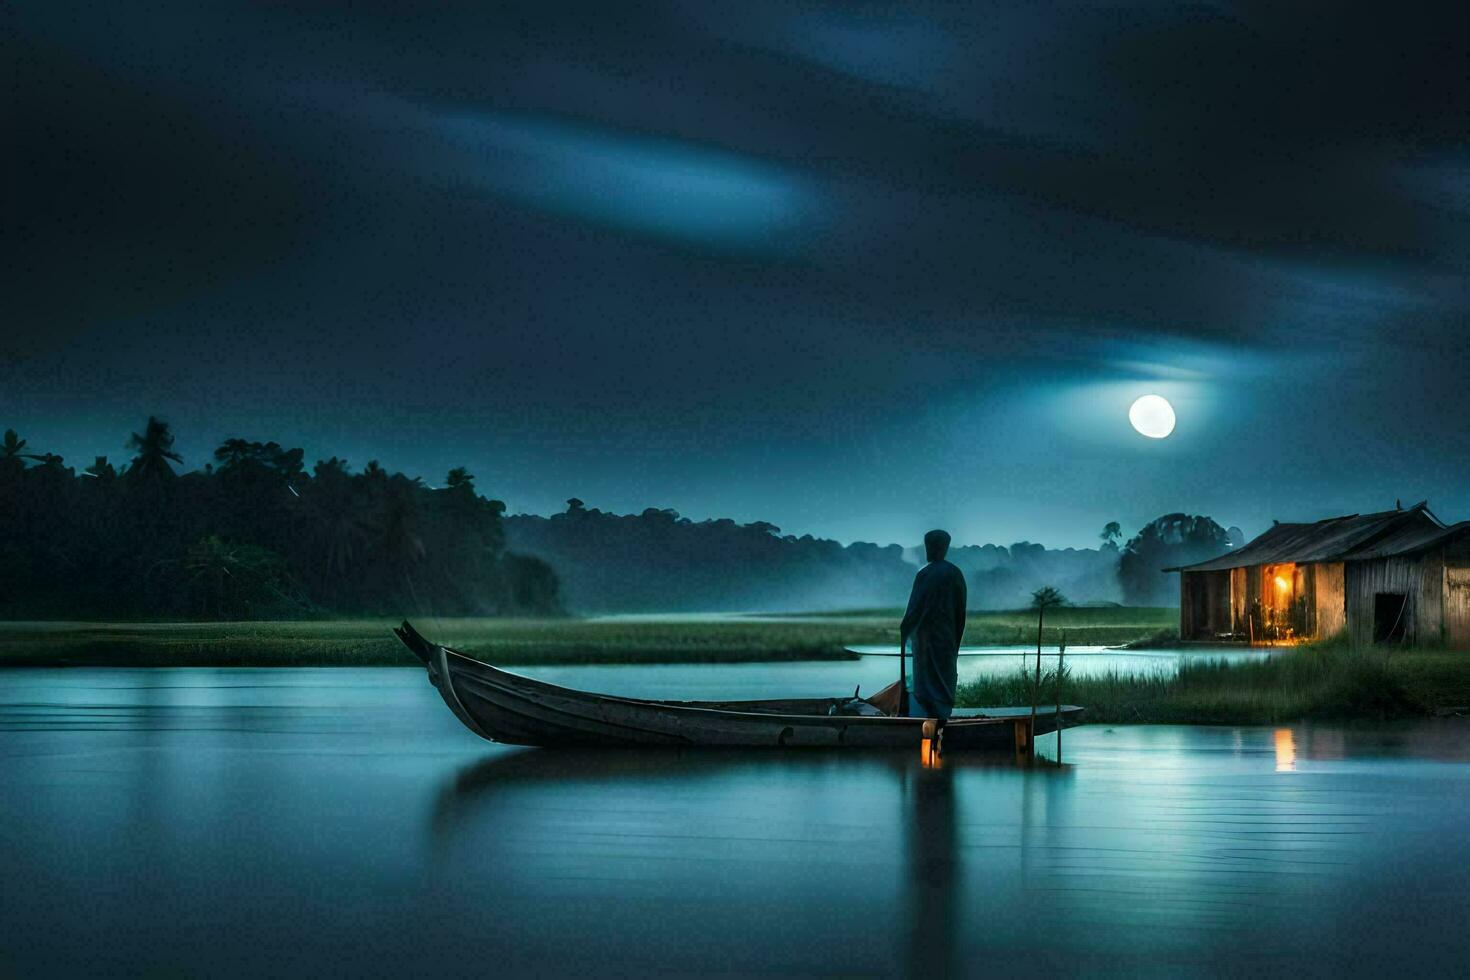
(1152, 416)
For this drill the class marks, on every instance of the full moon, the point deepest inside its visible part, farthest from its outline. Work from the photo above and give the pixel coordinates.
(1153, 416)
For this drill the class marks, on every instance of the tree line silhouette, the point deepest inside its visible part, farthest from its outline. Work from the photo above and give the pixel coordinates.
(1005, 577)
(252, 535)
(658, 561)
(1168, 542)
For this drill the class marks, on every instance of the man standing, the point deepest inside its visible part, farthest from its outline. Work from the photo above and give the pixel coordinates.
(931, 631)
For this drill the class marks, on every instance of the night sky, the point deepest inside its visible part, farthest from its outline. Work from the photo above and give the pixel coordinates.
(854, 270)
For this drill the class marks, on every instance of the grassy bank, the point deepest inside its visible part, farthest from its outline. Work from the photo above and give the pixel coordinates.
(523, 641)
(370, 642)
(1310, 682)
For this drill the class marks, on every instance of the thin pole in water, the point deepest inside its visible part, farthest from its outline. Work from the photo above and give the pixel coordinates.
(1061, 657)
(1036, 688)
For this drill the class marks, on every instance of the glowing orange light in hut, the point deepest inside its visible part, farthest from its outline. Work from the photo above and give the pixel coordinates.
(1282, 584)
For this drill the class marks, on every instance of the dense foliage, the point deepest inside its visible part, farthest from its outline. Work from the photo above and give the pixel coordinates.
(657, 561)
(1005, 577)
(254, 535)
(251, 535)
(1168, 542)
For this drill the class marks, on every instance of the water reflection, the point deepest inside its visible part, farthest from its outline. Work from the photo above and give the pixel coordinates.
(1082, 661)
(931, 898)
(1285, 750)
(466, 797)
(342, 821)
(873, 839)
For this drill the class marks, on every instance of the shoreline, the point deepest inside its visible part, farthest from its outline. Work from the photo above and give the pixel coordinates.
(1311, 682)
(371, 643)
(522, 642)
(1328, 681)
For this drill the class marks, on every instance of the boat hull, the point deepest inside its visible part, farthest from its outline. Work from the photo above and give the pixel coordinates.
(506, 707)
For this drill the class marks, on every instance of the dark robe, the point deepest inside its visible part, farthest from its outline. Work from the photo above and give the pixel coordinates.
(932, 629)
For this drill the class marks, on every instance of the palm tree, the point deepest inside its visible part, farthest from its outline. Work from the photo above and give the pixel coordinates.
(1111, 532)
(339, 528)
(12, 446)
(1042, 599)
(398, 527)
(208, 566)
(231, 580)
(11, 455)
(398, 543)
(155, 450)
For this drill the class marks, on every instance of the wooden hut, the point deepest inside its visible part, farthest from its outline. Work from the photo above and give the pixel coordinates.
(1398, 576)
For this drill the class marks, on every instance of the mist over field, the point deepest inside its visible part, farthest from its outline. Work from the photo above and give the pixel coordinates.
(657, 561)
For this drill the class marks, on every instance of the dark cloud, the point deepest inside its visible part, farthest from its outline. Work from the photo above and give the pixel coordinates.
(756, 264)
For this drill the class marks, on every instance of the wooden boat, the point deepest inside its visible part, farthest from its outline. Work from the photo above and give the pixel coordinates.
(505, 707)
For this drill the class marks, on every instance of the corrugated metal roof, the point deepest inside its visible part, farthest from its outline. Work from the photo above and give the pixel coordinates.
(1408, 539)
(1457, 540)
(1350, 538)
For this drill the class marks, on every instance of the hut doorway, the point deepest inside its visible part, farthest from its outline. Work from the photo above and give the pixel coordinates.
(1284, 603)
(1390, 617)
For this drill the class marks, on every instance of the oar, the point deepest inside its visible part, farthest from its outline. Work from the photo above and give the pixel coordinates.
(903, 684)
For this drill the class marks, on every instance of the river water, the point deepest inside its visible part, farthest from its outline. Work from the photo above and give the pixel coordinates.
(341, 821)
(1082, 661)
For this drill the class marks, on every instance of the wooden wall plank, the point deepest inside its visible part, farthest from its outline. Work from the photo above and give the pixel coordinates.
(1330, 599)
(1457, 606)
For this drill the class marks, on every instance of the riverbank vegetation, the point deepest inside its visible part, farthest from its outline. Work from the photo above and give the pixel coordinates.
(1320, 681)
(511, 641)
(658, 561)
(1324, 681)
(252, 535)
